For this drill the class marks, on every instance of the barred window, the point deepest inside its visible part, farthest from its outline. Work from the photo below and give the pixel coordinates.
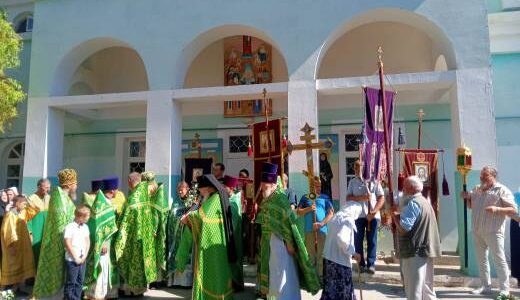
(238, 143)
(136, 155)
(352, 142)
(14, 170)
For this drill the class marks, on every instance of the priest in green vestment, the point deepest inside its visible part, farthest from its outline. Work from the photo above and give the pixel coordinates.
(50, 277)
(184, 203)
(211, 232)
(101, 276)
(235, 201)
(134, 243)
(89, 198)
(285, 266)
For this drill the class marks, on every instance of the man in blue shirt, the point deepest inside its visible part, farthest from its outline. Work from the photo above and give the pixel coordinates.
(369, 195)
(324, 212)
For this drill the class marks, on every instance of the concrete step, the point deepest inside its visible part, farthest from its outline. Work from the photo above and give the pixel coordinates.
(389, 273)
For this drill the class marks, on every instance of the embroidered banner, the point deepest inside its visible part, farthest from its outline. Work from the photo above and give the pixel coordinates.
(423, 163)
(374, 158)
(267, 143)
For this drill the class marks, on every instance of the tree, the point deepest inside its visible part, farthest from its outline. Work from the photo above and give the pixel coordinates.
(11, 92)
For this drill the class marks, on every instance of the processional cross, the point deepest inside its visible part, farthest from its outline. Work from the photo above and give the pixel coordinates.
(308, 146)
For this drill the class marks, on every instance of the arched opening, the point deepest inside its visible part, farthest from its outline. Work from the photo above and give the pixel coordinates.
(105, 65)
(111, 70)
(23, 22)
(411, 44)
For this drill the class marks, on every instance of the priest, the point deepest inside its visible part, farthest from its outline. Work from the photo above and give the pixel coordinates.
(51, 265)
(235, 201)
(283, 256)
(102, 278)
(134, 243)
(184, 203)
(211, 232)
(89, 197)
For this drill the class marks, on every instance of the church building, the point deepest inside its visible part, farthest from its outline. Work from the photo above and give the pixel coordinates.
(117, 86)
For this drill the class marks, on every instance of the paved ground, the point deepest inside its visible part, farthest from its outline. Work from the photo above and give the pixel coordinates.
(370, 291)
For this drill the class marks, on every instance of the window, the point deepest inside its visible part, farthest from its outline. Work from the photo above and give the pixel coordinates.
(352, 142)
(14, 170)
(25, 25)
(136, 155)
(238, 143)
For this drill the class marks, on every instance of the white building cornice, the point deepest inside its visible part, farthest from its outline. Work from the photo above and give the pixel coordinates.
(504, 32)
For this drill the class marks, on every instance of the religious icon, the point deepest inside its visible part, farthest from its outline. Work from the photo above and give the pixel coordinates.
(379, 118)
(196, 173)
(422, 170)
(264, 143)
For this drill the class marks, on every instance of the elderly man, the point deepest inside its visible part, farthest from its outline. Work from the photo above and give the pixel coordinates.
(372, 198)
(50, 278)
(419, 241)
(279, 243)
(39, 201)
(490, 203)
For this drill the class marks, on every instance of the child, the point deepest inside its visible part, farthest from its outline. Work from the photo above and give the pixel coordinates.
(17, 259)
(339, 248)
(77, 244)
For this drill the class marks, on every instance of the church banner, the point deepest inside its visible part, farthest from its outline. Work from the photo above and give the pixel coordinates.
(373, 155)
(267, 144)
(423, 163)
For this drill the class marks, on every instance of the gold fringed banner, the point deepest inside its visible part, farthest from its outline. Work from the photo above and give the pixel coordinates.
(424, 164)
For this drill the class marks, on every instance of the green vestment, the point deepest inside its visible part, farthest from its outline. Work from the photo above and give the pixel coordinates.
(134, 243)
(237, 268)
(88, 199)
(276, 217)
(212, 273)
(35, 226)
(102, 227)
(160, 204)
(174, 231)
(51, 265)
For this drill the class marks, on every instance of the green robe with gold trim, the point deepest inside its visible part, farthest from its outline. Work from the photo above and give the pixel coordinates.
(102, 227)
(160, 205)
(212, 272)
(50, 277)
(276, 217)
(134, 243)
(237, 268)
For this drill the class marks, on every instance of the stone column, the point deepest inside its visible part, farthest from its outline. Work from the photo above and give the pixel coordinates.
(163, 132)
(473, 121)
(43, 143)
(302, 108)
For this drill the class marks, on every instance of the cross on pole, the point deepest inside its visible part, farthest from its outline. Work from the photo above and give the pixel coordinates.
(308, 146)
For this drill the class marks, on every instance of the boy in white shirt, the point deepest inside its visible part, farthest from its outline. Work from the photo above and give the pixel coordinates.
(77, 244)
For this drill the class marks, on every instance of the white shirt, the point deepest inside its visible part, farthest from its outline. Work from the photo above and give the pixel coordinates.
(339, 244)
(358, 187)
(77, 234)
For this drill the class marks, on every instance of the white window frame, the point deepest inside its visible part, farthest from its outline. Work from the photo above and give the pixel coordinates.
(123, 155)
(14, 161)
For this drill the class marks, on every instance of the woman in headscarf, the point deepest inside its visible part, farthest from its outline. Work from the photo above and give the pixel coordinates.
(325, 175)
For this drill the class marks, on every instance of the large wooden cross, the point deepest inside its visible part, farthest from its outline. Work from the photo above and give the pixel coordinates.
(308, 146)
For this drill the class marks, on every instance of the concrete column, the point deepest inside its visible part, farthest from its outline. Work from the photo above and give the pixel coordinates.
(43, 143)
(163, 131)
(302, 108)
(473, 121)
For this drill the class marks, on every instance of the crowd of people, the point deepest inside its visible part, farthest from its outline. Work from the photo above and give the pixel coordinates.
(104, 245)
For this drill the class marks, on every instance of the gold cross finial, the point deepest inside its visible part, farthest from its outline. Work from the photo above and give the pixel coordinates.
(420, 114)
(380, 54)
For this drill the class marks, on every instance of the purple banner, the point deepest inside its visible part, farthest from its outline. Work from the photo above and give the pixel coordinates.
(374, 158)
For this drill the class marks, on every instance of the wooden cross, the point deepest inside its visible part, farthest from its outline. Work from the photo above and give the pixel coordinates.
(308, 146)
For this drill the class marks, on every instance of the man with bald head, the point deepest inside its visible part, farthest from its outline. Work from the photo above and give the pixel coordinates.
(419, 241)
(490, 203)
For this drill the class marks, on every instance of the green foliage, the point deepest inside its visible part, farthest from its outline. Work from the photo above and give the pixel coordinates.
(11, 92)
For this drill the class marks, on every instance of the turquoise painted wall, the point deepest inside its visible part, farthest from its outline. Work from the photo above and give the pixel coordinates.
(494, 6)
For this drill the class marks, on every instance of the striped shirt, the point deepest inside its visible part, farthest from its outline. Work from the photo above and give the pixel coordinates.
(484, 221)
